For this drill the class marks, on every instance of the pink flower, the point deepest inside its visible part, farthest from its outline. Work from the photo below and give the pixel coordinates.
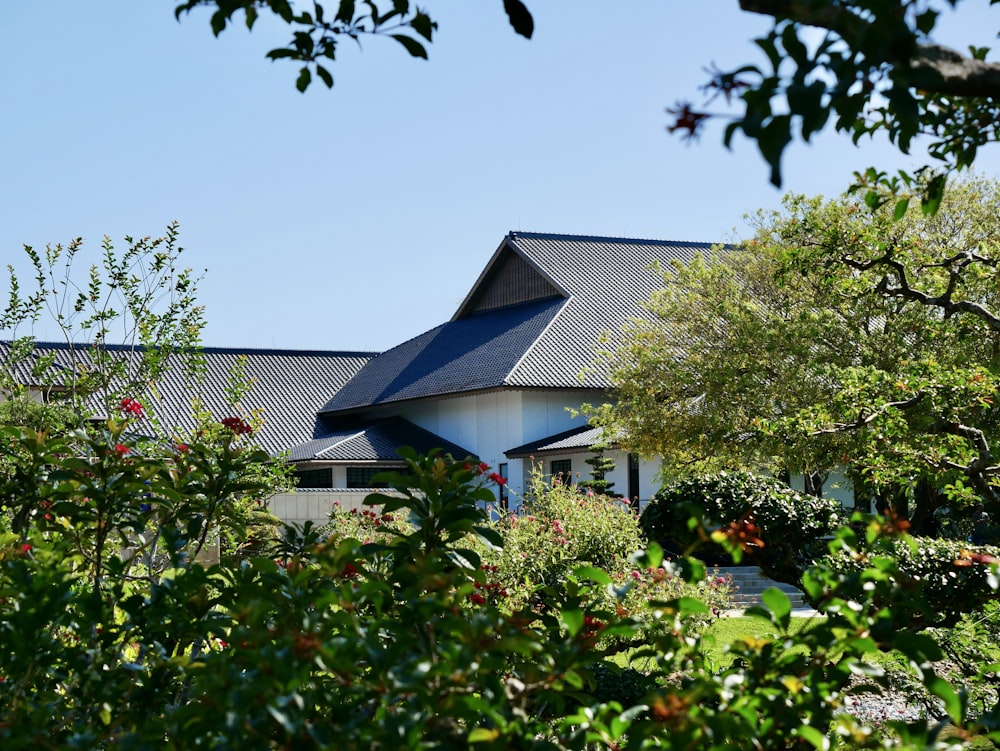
(131, 407)
(236, 425)
(121, 449)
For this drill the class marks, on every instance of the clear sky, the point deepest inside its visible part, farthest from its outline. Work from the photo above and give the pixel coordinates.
(359, 217)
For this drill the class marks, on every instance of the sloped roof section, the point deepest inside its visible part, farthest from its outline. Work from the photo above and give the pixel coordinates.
(531, 320)
(472, 354)
(607, 280)
(375, 442)
(287, 387)
(569, 441)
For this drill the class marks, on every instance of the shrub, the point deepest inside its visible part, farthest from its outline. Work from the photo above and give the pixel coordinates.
(559, 529)
(381, 645)
(778, 526)
(952, 577)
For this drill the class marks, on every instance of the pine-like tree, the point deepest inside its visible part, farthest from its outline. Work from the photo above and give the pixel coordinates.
(601, 465)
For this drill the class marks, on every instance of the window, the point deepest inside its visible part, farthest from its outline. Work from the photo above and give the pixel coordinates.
(504, 498)
(562, 470)
(361, 477)
(314, 478)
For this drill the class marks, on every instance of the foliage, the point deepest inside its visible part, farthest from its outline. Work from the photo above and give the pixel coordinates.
(384, 644)
(600, 466)
(952, 576)
(869, 67)
(139, 296)
(876, 68)
(926, 412)
(838, 336)
(317, 32)
(559, 529)
(781, 528)
(142, 297)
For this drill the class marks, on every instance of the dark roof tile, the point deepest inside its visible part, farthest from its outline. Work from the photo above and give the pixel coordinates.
(287, 387)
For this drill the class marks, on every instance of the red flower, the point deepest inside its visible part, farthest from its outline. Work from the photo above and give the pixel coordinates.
(477, 598)
(26, 547)
(236, 425)
(121, 449)
(181, 448)
(131, 407)
(497, 478)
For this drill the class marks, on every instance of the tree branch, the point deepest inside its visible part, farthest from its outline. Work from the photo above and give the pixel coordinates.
(935, 68)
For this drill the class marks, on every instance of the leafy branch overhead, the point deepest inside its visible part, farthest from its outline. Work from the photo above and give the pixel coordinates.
(316, 32)
(874, 66)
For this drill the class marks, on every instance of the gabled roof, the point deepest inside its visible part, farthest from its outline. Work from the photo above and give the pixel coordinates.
(287, 386)
(376, 442)
(531, 320)
(569, 441)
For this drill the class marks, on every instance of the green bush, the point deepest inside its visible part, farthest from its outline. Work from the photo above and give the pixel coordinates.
(559, 529)
(388, 641)
(952, 577)
(778, 527)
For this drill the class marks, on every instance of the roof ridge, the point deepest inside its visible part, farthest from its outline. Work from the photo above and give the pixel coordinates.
(207, 350)
(514, 234)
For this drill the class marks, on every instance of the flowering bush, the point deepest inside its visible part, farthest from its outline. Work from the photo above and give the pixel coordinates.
(404, 642)
(559, 529)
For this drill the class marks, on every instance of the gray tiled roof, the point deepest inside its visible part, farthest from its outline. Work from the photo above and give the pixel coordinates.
(377, 441)
(584, 287)
(569, 441)
(288, 386)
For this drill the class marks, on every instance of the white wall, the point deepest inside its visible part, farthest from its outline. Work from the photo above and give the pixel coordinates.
(301, 506)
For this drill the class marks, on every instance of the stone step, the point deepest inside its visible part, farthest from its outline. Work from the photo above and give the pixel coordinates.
(749, 583)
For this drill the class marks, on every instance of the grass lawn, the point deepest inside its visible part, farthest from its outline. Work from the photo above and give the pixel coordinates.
(727, 630)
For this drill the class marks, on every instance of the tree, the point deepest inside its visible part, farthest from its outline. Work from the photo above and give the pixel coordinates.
(600, 465)
(126, 323)
(316, 32)
(876, 68)
(809, 347)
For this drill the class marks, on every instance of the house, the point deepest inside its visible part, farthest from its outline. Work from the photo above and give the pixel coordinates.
(502, 377)
(499, 381)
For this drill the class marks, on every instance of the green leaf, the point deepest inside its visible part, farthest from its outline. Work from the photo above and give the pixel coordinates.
(483, 735)
(900, 211)
(345, 12)
(943, 690)
(930, 202)
(520, 17)
(490, 535)
(304, 79)
(691, 606)
(464, 558)
(813, 736)
(325, 75)
(415, 48)
(573, 620)
(598, 575)
(779, 605)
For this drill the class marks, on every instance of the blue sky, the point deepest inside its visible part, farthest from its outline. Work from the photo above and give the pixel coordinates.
(359, 217)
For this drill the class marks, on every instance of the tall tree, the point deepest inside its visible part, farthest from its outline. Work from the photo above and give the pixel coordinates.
(804, 349)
